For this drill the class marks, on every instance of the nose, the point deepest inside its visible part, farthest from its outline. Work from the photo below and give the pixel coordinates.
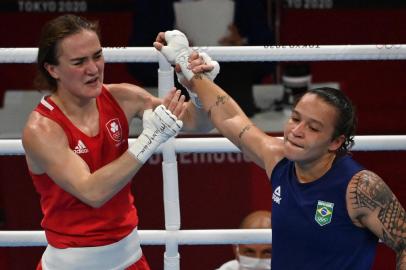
(91, 67)
(298, 129)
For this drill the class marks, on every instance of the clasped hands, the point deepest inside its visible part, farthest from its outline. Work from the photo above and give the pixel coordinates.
(174, 45)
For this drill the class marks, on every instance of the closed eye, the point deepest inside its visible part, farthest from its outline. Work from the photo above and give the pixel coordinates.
(78, 63)
(98, 56)
(314, 129)
(294, 119)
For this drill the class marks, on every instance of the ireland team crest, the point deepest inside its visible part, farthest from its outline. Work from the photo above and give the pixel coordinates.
(114, 128)
(324, 212)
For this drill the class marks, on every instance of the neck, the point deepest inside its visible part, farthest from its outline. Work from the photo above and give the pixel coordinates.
(83, 113)
(307, 172)
(74, 106)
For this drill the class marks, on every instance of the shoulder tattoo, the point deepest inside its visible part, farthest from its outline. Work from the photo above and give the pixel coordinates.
(369, 191)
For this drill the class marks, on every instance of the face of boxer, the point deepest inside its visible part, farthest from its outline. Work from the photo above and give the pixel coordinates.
(80, 67)
(309, 131)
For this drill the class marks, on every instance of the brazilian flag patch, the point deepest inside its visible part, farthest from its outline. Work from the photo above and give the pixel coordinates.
(324, 212)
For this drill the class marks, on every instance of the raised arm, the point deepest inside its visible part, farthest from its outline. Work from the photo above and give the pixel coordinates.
(233, 123)
(371, 204)
(223, 111)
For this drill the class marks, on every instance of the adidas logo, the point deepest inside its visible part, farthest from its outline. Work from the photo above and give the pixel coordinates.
(80, 148)
(276, 196)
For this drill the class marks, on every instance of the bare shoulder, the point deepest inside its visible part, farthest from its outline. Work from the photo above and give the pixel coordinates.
(265, 150)
(274, 152)
(125, 91)
(372, 204)
(40, 135)
(39, 127)
(368, 194)
(118, 89)
(130, 97)
(366, 189)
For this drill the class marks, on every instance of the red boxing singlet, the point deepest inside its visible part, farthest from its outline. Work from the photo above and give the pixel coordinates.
(67, 221)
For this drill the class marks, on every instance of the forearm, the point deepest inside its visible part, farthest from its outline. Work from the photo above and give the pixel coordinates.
(159, 125)
(104, 183)
(196, 120)
(222, 110)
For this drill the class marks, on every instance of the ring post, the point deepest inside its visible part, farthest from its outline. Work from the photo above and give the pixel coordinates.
(170, 176)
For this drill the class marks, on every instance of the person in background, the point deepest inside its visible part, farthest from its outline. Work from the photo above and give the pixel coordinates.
(254, 256)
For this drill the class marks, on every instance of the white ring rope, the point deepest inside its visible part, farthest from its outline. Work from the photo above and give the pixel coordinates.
(220, 145)
(238, 53)
(156, 237)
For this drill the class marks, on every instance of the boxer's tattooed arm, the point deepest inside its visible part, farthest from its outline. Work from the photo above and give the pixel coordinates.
(198, 76)
(245, 129)
(221, 100)
(242, 132)
(369, 191)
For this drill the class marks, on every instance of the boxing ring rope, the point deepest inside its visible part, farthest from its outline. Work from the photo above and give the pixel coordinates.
(155, 237)
(172, 236)
(223, 145)
(236, 54)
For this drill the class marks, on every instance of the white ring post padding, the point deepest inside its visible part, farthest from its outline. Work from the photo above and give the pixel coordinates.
(238, 53)
(171, 262)
(219, 145)
(170, 174)
(171, 189)
(156, 237)
(171, 206)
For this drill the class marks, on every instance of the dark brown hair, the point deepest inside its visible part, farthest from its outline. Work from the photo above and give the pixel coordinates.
(51, 35)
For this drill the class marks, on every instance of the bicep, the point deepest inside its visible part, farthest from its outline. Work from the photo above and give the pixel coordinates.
(373, 205)
(48, 150)
(255, 144)
(132, 99)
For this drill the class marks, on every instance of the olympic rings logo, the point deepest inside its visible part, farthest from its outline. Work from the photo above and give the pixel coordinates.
(388, 46)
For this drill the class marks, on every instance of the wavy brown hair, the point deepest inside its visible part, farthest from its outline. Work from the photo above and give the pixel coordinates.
(48, 46)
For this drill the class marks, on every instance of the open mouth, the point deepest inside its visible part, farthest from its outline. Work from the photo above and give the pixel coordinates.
(92, 80)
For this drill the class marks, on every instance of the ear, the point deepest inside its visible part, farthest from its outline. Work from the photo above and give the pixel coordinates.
(336, 143)
(51, 70)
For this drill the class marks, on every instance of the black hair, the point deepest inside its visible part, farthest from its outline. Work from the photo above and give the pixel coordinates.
(346, 120)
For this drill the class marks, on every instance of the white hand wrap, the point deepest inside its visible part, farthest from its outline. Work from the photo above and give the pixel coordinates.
(211, 75)
(177, 51)
(159, 125)
(208, 61)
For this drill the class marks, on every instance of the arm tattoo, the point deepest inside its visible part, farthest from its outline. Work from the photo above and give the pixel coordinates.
(198, 76)
(370, 191)
(246, 128)
(220, 101)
